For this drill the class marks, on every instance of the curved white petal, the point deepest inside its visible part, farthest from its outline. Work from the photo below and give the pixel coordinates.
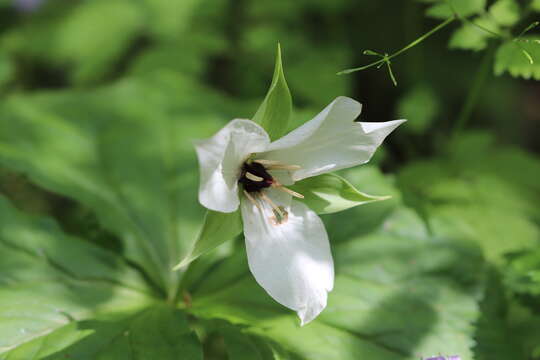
(331, 141)
(291, 261)
(220, 161)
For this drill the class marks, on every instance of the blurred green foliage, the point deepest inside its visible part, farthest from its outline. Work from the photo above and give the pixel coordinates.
(100, 101)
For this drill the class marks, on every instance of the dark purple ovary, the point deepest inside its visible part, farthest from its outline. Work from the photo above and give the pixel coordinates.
(257, 170)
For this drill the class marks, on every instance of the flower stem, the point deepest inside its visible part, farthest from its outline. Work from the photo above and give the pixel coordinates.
(386, 59)
(474, 93)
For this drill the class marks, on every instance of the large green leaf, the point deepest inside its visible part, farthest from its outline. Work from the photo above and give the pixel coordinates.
(159, 332)
(330, 193)
(275, 111)
(49, 279)
(480, 191)
(126, 153)
(379, 279)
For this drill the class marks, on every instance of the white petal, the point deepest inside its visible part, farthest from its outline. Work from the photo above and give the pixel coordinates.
(291, 261)
(220, 161)
(331, 141)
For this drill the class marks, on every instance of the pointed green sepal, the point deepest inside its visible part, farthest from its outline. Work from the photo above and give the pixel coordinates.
(217, 228)
(275, 111)
(330, 193)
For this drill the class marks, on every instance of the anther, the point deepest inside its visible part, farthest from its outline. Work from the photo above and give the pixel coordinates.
(274, 206)
(252, 177)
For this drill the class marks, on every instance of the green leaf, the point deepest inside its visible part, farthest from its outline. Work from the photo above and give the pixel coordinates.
(241, 345)
(379, 277)
(470, 37)
(495, 338)
(159, 332)
(84, 37)
(330, 193)
(464, 8)
(505, 12)
(482, 192)
(7, 70)
(128, 160)
(511, 58)
(275, 111)
(535, 5)
(49, 279)
(217, 229)
(421, 105)
(168, 19)
(522, 273)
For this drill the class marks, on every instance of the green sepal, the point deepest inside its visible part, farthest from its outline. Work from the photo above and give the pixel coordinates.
(330, 193)
(275, 111)
(217, 228)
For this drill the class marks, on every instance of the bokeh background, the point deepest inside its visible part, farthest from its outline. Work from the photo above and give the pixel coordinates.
(202, 63)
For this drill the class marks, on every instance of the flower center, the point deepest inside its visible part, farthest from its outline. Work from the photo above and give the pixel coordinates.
(254, 177)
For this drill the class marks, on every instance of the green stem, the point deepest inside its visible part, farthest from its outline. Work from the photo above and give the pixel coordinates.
(399, 52)
(474, 93)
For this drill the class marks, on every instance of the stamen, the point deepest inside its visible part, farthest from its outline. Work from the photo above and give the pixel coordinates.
(252, 177)
(284, 167)
(291, 192)
(253, 201)
(274, 206)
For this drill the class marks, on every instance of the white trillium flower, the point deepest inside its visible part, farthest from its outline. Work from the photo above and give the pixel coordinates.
(286, 242)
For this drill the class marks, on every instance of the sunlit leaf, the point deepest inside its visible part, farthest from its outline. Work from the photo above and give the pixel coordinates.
(481, 192)
(125, 152)
(159, 332)
(49, 279)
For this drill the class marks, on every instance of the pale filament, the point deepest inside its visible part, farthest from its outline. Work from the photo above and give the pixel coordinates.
(276, 209)
(289, 191)
(276, 165)
(276, 184)
(284, 167)
(253, 201)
